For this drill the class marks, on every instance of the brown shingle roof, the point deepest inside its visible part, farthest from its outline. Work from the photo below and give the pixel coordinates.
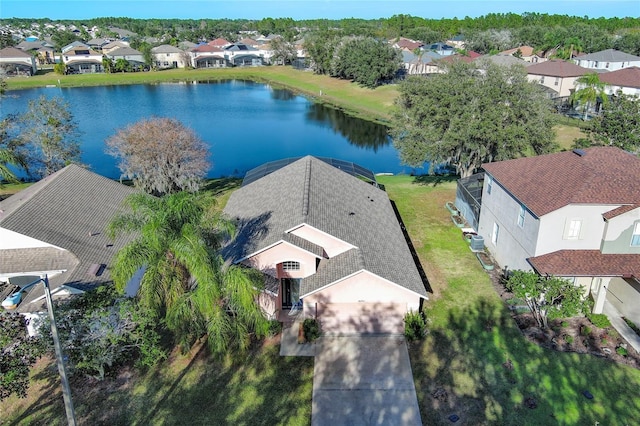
(620, 210)
(587, 263)
(603, 175)
(557, 68)
(626, 77)
(12, 52)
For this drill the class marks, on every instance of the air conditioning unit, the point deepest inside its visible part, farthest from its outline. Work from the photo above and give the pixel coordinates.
(477, 243)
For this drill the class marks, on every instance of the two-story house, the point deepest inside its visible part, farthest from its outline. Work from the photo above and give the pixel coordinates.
(573, 214)
(607, 60)
(559, 76)
(626, 80)
(166, 56)
(328, 241)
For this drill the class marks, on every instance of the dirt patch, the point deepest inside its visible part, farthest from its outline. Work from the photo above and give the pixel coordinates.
(570, 334)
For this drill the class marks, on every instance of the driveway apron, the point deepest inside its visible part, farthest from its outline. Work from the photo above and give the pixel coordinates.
(363, 380)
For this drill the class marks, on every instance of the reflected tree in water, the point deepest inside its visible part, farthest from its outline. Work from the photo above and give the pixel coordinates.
(360, 133)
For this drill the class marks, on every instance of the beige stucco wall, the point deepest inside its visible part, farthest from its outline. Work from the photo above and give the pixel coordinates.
(363, 287)
(331, 245)
(267, 261)
(563, 85)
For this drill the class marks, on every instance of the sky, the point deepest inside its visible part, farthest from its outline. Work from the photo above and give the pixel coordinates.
(308, 9)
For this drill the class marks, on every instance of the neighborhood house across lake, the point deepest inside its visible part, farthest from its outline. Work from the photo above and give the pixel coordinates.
(244, 123)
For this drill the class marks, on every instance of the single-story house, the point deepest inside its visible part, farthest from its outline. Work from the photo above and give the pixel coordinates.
(57, 227)
(16, 62)
(129, 54)
(328, 242)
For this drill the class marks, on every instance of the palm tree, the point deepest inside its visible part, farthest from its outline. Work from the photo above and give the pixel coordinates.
(592, 89)
(7, 158)
(186, 281)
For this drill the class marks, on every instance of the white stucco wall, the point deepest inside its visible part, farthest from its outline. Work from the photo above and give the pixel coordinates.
(332, 246)
(605, 65)
(554, 228)
(14, 240)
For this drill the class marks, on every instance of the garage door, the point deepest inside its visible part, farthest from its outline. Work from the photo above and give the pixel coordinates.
(361, 318)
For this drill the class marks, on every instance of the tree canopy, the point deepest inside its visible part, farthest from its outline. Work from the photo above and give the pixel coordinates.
(47, 139)
(469, 116)
(547, 297)
(591, 90)
(365, 60)
(161, 155)
(185, 281)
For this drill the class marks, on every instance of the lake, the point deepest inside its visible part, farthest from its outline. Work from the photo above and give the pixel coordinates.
(244, 123)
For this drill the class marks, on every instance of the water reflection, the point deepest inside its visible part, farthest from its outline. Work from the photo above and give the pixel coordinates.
(360, 133)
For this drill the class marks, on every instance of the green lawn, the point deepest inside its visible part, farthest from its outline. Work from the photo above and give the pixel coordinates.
(471, 337)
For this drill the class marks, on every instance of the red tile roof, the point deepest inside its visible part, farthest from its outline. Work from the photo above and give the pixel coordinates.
(602, 175)
(206, 48)
(626, 77)
(557, 68)
(468, 57)
(587, 263)
(220, 42)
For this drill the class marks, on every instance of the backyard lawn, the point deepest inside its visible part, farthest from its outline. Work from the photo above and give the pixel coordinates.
(475, 362)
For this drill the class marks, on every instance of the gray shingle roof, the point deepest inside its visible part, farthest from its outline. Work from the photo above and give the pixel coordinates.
(69, 209)
(312, 192)
(610, 55)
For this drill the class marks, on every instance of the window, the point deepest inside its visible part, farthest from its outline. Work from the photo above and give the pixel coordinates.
(635, 238)
(607, 66)
(494, 236)
(521, 216)
(290, 265)
(489, 182)
(542, 80)
(573, 229)
(557, 81)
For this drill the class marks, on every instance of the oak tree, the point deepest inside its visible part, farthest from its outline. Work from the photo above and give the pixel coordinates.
(161, 155)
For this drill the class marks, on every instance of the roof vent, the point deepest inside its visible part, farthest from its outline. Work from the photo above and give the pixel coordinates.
(579, 152)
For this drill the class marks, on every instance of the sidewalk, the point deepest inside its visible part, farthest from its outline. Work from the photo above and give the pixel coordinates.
(621, 327)
(289, 345)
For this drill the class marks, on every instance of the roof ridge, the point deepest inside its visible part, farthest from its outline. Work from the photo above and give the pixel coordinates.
(307, 188)
(17, 200)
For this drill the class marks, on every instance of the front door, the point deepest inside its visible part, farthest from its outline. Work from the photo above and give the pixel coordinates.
(290, 292)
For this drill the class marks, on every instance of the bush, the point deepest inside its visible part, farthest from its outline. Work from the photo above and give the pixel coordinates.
(568, 339)
(599, 320)
(621, 351)
(415, 326)
(275, 327)
(311, 329)
(585, 331)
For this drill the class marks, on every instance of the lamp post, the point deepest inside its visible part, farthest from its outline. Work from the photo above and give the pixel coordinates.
(66, 390)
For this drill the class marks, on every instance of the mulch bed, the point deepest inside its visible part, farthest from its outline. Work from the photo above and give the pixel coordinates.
(571, 334)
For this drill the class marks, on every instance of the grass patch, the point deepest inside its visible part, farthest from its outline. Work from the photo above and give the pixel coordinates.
(566, 134)
(476, 356)
(258, 387)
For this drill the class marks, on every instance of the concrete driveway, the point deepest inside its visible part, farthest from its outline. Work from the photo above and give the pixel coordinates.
(363, 380)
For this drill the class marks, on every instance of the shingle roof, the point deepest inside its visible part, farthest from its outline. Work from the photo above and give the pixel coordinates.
(70, 210)
(626, 77)
(524, 50)
(587, 263)
(309, 191)
(557, 68)
(620, 210)
(166, 48)
(12, 52)
(603, 175)
(124, 51)
(610, 55)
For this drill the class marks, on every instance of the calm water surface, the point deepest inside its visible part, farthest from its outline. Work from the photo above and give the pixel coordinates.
(244, 123)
